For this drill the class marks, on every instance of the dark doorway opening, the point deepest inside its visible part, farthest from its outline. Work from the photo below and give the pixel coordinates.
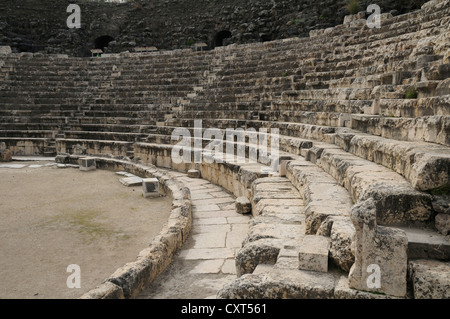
(220, 36)
(266, 37)
(102, 42)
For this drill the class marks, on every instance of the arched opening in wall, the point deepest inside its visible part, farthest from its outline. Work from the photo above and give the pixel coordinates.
(266, 37)
(220, 36)
(102, 42)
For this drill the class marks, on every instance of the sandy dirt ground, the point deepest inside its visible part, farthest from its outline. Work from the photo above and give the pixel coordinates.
(51, 218)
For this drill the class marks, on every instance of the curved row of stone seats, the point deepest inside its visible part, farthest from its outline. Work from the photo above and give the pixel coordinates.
(408, 108)
(418, 206)
(28, 146)
(428, 128)
(424, 165)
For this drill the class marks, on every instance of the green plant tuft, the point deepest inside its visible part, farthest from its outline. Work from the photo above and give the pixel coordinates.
(411, 93)
(353, 6)
(441, 190)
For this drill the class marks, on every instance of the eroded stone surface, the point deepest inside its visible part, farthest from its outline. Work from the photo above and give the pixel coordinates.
(380, 252)
(430, 279)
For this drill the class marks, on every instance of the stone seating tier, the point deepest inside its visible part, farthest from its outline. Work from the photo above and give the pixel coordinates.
(350, 141)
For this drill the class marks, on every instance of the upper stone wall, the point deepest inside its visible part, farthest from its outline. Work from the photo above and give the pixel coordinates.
(40, 25)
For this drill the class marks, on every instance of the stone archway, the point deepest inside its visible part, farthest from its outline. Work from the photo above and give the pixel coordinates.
(103, 41)
(220, 36)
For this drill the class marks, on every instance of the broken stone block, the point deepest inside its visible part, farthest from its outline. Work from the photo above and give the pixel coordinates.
(442, 205)
(280, 284)
(341, 236)
(5, 154)
(243, 205)
(380, 254)
(430, 279)
(87, 164)
(150, 187)
(313, 253)
(282, 168)
(193, 173)
(442, 223)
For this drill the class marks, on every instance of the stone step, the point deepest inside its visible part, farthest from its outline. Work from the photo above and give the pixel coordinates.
(398, 203)
(277, 224)
(430, 279)
(428, 128)
(424, 165)
(426, 244)
(328, 207)
(313, 253)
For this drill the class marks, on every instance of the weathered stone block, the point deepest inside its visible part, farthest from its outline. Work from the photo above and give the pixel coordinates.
(193, 173)
(430, 279)
(313, 253)
(442, 223)
(87, 164)
(5, 154)
(280, 284)
(282, 168)
(380, 254)
(262, 251)
(342, 233)
(243, 205)
(150, 187)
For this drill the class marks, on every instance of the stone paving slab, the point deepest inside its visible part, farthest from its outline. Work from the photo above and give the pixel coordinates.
(206, 253)
(206, 260)
(131, 181)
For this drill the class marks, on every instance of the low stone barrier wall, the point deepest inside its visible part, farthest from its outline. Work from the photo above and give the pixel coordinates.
(234, 177)
(133, 277)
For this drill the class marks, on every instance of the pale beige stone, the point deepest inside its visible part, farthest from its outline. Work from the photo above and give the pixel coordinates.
(207, 253)
(207, 267)
(381, 247)
(209, 240)
(313, 253)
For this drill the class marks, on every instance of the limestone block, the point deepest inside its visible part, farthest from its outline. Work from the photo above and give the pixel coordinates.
(262, 251)
(131, 181)
(5, 50)
(380, 254)
(442, 205)
(442, 223)
(430, 279)
(447, 57)
(280, 284)
(313, 253)
(193, 173)
(150, 187)
(342, 233)
(243, 205)
(5, 154)
(87, 164)
(282, 168)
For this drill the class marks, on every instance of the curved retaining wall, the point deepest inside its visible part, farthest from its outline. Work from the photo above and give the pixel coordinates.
(129, 280)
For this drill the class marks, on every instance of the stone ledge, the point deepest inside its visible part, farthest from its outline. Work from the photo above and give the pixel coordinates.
(280, 284)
